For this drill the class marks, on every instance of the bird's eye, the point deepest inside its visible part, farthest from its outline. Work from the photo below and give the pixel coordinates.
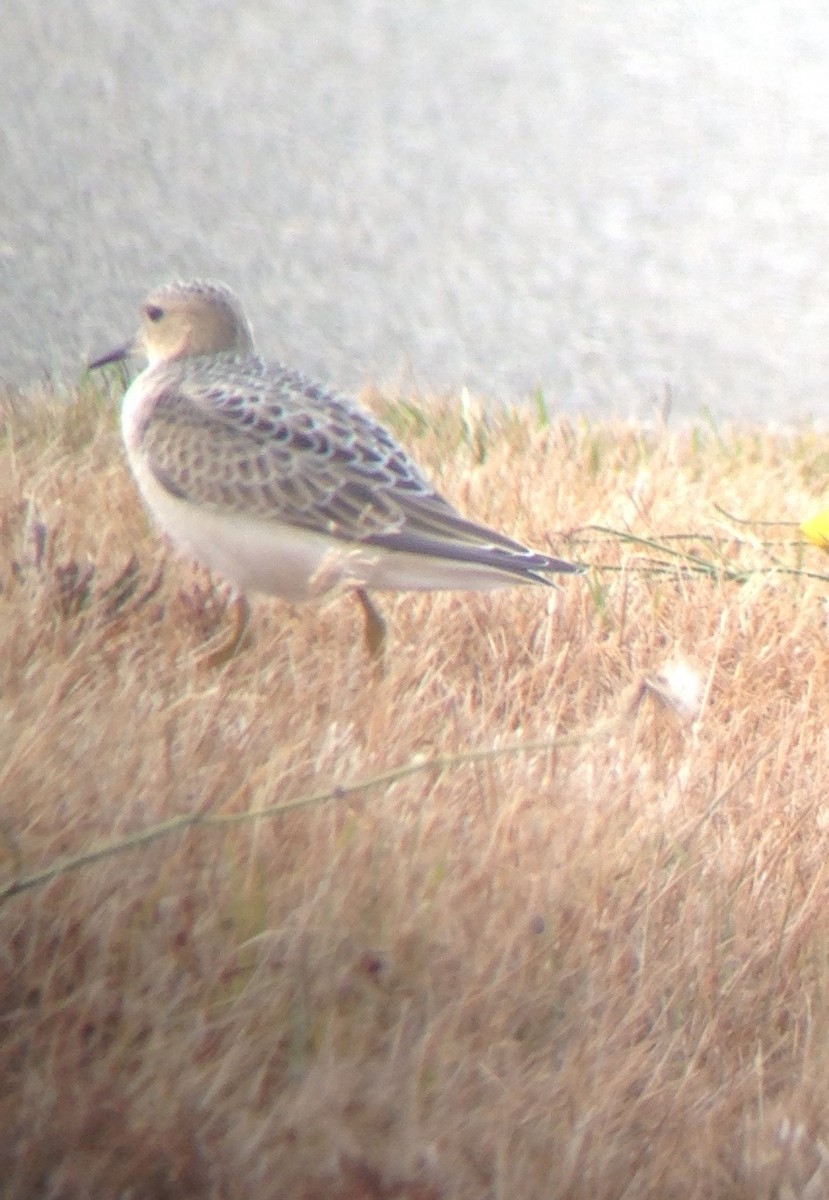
(154, 313)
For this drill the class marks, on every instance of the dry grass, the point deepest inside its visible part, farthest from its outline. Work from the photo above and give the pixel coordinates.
(592, 968)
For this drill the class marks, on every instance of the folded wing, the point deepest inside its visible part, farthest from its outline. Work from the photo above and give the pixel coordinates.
(261, 440)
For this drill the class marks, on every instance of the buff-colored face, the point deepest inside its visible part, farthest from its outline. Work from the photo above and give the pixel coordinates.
(184, 319)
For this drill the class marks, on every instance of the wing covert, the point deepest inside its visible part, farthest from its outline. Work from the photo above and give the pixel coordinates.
(276, 446)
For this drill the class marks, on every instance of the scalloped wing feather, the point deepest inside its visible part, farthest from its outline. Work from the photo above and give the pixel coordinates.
(259, 439)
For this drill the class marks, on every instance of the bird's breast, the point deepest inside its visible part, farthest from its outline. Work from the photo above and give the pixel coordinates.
(137, 407)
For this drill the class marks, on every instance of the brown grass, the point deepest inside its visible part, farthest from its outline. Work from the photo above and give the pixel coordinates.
(589, 962)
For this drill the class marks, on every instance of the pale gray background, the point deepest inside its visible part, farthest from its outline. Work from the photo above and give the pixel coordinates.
(594, 196)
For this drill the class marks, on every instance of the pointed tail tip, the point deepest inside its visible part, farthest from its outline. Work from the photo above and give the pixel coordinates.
(551, 567)
(561, 567)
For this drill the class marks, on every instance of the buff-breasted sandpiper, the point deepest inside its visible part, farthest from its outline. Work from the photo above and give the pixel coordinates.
(280, 485)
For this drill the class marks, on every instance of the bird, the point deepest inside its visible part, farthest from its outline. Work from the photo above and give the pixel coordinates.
(280, 485)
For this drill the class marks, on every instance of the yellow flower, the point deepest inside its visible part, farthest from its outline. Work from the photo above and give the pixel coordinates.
(816, 529)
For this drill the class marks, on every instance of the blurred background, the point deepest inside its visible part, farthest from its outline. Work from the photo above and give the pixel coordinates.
(607, 201)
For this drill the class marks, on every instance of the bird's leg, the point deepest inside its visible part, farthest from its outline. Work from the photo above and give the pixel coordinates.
(375, 625)
(225, 651)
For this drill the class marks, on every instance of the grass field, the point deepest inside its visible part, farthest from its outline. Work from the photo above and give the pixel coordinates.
(540, 910)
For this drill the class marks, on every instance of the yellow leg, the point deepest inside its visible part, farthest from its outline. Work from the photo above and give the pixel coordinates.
(225, 651)
(375, 625)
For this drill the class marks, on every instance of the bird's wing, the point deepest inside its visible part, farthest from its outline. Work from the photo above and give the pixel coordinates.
(264, 441)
